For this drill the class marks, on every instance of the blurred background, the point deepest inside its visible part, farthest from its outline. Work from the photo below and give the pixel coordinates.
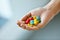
(13, 10)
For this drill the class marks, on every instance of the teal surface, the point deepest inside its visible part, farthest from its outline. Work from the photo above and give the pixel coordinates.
(11, 31)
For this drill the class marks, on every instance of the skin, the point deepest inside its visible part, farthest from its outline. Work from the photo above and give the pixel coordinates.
(46, 14)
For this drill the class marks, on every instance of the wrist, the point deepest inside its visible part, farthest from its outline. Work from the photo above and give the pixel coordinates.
(53, 5)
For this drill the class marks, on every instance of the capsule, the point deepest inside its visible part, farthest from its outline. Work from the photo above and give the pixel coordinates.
(27, 21)
(36, 21)
(30, 25)
(31, 18)
(32, 22)
(38, 17)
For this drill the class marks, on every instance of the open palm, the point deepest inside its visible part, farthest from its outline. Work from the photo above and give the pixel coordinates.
(44, 14)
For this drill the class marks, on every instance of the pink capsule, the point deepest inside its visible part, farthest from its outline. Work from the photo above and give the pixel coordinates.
(27, 21)
(31, 18)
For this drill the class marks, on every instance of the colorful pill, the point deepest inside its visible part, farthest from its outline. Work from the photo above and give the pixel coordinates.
(34, 17)
(30, 25)
(35, 22)
(31, 18)
(38, 17)
(32, 22)
(27, 21)
(39, 21)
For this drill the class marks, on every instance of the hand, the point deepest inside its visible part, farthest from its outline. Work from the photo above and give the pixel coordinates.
(44, 14)
(35, 12)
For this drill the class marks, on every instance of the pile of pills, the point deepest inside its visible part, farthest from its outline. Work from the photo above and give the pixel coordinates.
(33, 20)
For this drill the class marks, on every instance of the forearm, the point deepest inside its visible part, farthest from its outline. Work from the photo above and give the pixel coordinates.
(53, 5)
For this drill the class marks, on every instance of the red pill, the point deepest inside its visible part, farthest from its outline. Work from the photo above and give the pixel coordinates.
(27, 21)
(31, 18)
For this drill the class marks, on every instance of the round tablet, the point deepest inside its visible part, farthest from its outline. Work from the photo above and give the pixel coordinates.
(32, 22)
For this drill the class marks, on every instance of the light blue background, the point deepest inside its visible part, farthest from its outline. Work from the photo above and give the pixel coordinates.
(10, 31)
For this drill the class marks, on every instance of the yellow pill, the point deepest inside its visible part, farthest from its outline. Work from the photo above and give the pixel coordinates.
(29, 25)
(34, 17)
(36, 22)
